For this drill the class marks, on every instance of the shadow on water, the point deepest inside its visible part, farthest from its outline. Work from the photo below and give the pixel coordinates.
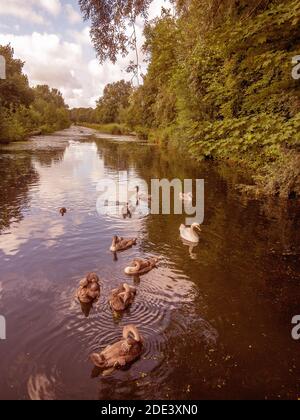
(216, 318)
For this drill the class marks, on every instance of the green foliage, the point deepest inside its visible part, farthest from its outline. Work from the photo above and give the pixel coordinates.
(112, 107)
(114, 101)
(23, 110)
(220, 73)
(14, 90)
(113, 129)
(109, 24)
(84, 115)
(48, 110)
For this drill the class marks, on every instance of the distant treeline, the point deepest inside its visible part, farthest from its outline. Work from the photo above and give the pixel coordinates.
(111, 107)
(24, 110)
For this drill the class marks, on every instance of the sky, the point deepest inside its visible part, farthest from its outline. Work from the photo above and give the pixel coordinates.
(52, 39)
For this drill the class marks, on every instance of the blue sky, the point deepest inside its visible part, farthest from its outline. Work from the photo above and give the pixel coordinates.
(53, 40)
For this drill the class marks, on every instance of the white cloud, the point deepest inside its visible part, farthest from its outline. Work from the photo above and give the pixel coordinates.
(63, 65)
(21, 10)
(51, 59)
(4, 26)
(51, 6)
(81, 37)
(30, 10)
(72, 15)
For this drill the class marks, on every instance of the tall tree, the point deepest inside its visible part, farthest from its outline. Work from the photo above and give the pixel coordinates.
(110, 20)
(14, 90)
(115, 99)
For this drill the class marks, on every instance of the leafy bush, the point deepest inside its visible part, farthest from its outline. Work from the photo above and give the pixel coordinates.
(25, 111)
(219, 77)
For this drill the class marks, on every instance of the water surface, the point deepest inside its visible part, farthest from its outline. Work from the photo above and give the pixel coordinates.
(216, 319)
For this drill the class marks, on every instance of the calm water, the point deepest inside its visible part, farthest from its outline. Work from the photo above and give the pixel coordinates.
(216, 319)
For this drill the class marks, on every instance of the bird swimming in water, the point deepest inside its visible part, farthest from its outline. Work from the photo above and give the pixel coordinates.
(122, 353)
(63, 211)
(141, 196)
(120, 299)
(126, 212)
(89, 289)
(190, 234)
(122, 244)
(141, 266)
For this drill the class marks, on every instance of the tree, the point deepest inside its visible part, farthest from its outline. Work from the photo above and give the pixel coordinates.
(84, 115)
(24, 110)
(115, 99)
(14, 90)
(49, 108)
(109, 20)
(15, 94)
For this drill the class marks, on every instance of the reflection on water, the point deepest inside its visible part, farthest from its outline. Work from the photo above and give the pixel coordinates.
(216, 318)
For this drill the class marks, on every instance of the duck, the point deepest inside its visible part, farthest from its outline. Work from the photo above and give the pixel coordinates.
(121, 244)
(186, 197)
(141, 196)
(126, 211)
(141, 266)
(63, 211)
(89, 289)
(190, 234)
(121, 298)
(122, 353)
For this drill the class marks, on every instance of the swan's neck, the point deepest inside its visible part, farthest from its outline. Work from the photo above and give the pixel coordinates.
(194, 232)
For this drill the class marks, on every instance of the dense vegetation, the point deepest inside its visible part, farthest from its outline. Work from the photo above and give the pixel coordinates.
(220, 84)
(110, 114)
(25, 110)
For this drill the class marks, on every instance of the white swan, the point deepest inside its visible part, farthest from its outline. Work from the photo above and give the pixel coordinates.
(141, 196)
(186, 197)
(190, 234)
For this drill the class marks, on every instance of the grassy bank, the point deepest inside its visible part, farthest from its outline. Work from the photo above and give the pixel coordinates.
(113, 129)
(13, 131)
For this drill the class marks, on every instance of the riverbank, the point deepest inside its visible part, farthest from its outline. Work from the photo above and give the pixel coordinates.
(16, 134)
(267, 146)
(113, 129)
(228, 94)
